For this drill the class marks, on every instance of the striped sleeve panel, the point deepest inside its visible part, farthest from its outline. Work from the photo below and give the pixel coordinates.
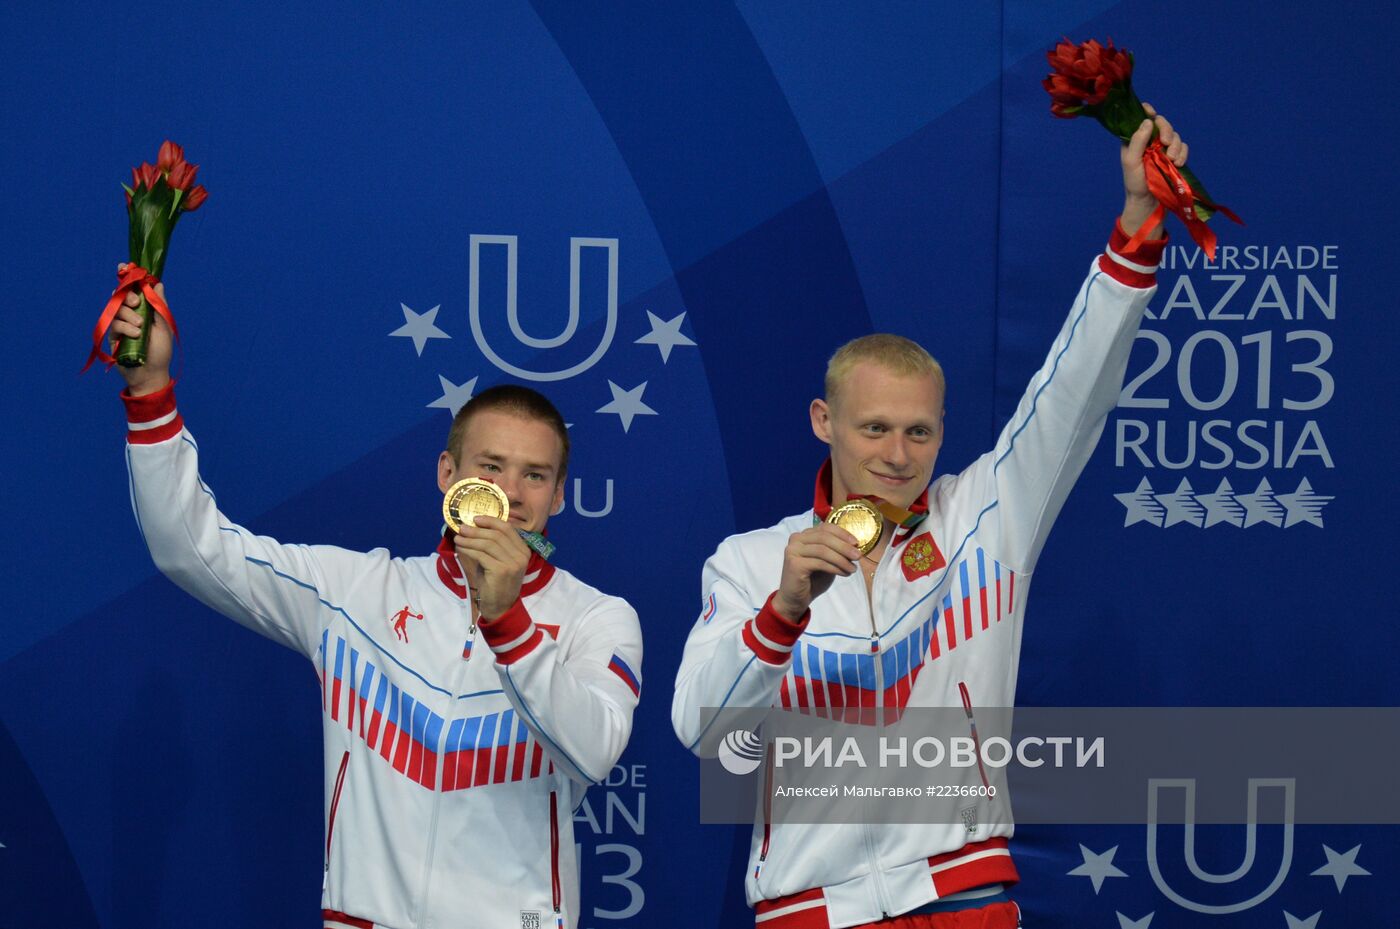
(1135, 267)
(152, 418)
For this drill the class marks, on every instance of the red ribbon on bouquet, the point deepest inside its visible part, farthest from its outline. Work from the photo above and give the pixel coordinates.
(1174, 193)
(134, 277)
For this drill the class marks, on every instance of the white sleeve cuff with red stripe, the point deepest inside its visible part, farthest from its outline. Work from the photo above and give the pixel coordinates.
(152, 418)
(1136, 267)
(513, 634)
(771, 636)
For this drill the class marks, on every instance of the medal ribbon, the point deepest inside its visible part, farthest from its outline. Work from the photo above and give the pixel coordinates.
(542, 546)
(1173, 192)
(133, 278)
(895, 514)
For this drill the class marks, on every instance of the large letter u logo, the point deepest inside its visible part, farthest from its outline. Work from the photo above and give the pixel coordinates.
(576, 245)
(1252, 823)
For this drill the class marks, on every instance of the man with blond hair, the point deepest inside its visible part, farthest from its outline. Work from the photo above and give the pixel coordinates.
(798, 618)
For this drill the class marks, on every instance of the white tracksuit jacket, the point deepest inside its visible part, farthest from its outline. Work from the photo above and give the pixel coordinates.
(948, 601)
(454, 755)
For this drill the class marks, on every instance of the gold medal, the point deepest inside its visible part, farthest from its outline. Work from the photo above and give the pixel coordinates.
(470, 498)
(860, 519)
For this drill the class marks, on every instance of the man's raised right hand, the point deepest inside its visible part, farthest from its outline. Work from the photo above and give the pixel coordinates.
(811, 561)
(155, 373)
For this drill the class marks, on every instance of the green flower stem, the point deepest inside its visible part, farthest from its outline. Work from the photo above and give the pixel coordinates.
(1121, 113)
(153, 216)
(131, 353)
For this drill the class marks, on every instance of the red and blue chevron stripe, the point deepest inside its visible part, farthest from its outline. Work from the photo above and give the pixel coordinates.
(490, 749)
(843, 685)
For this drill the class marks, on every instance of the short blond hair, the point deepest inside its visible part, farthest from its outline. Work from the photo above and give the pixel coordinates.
(894, 353)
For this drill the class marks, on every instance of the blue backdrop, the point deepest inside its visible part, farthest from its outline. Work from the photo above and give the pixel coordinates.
(771, 178)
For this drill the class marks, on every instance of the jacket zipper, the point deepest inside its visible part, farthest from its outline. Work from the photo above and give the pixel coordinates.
(471, 641)
(554, 855)
(881, 892)
(471, 627)
(427, 880)
(972, 723)
(335, 802)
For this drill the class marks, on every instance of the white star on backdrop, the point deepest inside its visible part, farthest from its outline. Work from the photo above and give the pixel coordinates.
(1221, 506)
(1296, 923)
(1340, 867)
(1303, 505)
(1261, 506)
(665, 335)
(1181, 506)
(1142, 506)
(627, 404)
(454, 396)
(1126, 923)
(1097, 867)
(420, 327)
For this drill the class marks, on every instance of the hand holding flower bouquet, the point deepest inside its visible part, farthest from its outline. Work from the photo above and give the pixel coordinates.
(1096, 80)
(159, 195)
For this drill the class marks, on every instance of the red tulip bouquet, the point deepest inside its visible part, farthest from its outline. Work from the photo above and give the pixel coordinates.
(1096, 80)
(159, 195)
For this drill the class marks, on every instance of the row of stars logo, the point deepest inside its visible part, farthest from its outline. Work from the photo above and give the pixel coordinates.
(1099, 867)
(1184, 505)
(626, 404)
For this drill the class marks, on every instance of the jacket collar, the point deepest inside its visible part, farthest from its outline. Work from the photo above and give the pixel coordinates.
(822, 503)
(537, 573)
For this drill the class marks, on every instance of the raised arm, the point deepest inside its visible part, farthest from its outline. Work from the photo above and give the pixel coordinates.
(281, 591)
(1040, 453)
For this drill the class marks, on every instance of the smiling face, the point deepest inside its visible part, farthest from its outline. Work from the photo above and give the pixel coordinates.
(521, 455)
(884, 429)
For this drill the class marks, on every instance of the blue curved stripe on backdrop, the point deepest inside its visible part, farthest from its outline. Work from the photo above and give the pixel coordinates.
(42, 884)
(741, 209)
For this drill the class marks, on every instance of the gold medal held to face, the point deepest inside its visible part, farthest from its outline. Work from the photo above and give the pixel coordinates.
(860, 519)
(470, 498)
